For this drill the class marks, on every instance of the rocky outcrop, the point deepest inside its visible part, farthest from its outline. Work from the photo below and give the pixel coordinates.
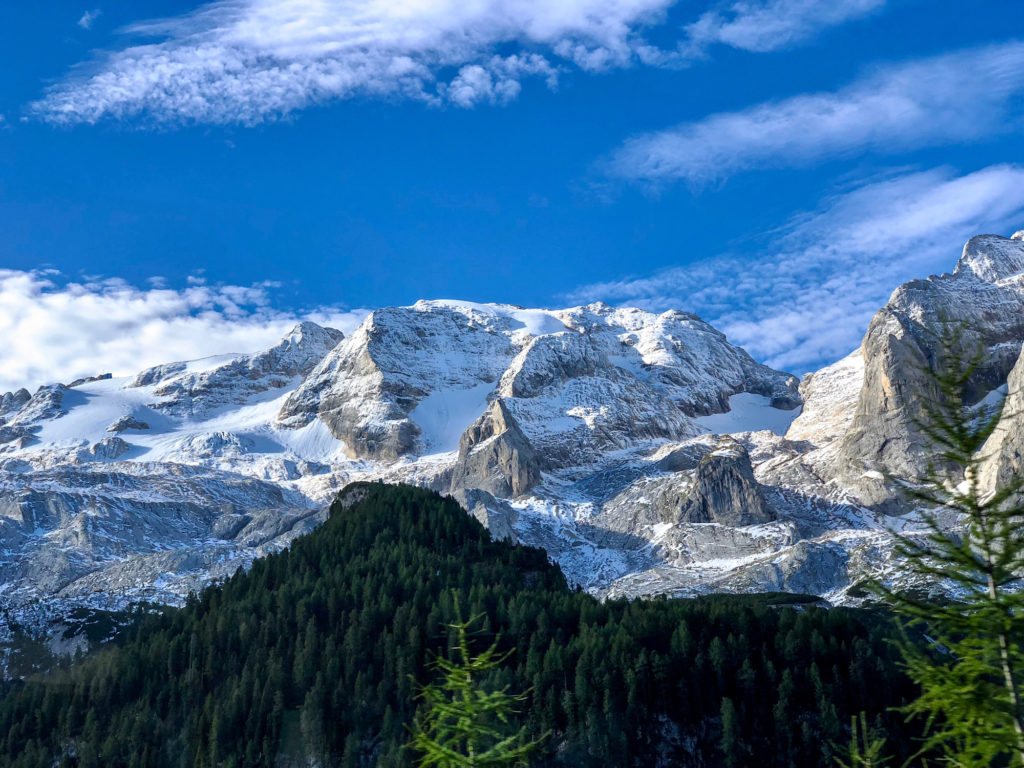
(90, 379)
(11, 402)
(495, 515)
(109, 449)
(194, 389)
(724, 489)
(126, 422)
(705, 480)
(829, 401)
(496, 457)
(681, 356)
(216, 444)
(47, 403)
(992, 258)
(107, 515)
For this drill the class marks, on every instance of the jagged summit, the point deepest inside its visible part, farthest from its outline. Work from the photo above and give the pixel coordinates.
(410, 380)
(993, 258)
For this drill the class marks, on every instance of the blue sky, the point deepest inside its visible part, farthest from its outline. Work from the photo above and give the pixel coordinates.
(179, 179)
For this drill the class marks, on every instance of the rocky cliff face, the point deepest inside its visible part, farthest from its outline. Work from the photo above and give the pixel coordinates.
(724, 490)
(1004, 450)
(495, 456)
(590, 431)
(986, 295)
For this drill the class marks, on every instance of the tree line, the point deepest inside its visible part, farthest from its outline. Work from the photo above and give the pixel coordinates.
(319, 651)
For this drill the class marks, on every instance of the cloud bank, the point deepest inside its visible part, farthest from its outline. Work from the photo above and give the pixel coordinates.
(962, 96)
(247, 61)
(806, 298)
(59, 332)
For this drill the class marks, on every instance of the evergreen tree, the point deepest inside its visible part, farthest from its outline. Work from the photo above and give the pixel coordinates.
(465, 726)
(866, 748)
(970, 663)
(730, 738)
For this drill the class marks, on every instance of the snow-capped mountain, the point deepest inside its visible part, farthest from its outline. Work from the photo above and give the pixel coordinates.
(645, 452)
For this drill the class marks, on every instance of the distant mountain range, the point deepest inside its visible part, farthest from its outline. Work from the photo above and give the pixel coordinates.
(644, 452)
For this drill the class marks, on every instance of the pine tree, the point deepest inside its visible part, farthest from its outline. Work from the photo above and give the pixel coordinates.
(465, 726)
(730, 735)
(970, 662)
(866, 748)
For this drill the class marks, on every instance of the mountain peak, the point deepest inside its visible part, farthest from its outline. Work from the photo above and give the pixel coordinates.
(993, 258)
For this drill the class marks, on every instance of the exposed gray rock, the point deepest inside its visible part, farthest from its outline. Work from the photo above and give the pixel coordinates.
(808, 567)
(614, 408)
(829, 401)
(127, 422)
(579, 382)
(157, 374)
(495, 515)
(552, 360)
(724, 489)
(495, 456)
(229, 526)
(684, 457)
(11, 402)
(99, 516)
(46, 403)
(709, 481)
(217, 444)
(109, 449)
(90, 379)
(351, 495)
(17, 437)
(183, 391)
(682, 356)
(1004, 450)
(993, 258)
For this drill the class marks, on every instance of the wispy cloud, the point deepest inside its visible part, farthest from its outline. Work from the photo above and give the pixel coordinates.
(57, 331)
(88, 18)
(248, 61)
(805, 299)
(771, 24)
(251, 60)
(962, 96)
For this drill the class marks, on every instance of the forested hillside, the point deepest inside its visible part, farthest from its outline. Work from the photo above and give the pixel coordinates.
(317, 650)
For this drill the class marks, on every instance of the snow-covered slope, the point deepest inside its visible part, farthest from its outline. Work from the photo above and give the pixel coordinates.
(643, 451)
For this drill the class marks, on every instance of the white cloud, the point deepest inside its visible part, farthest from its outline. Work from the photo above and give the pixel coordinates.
(769, 25)
(60, 331)
(961, 96)
(806, 298)
(88, 18)
(248, 61)
(251, 60)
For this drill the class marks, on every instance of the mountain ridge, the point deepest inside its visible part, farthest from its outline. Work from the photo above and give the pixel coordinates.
(643, 451)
